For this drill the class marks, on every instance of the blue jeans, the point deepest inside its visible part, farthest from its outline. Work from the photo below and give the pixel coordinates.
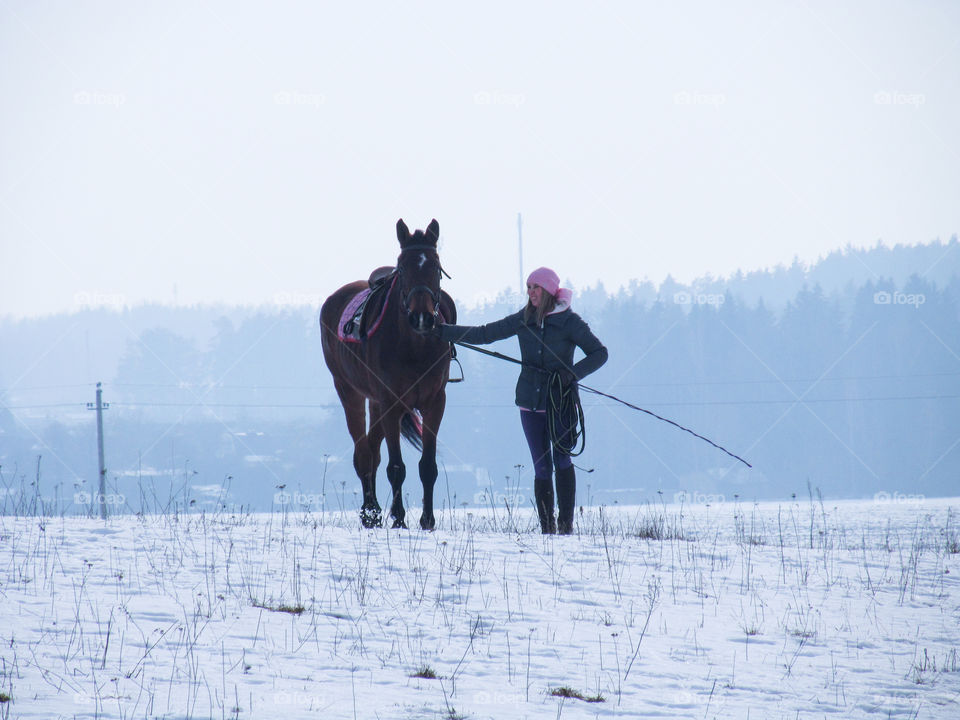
(544, 455)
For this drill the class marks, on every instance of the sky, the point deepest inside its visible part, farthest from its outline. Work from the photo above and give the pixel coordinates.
(248, 153)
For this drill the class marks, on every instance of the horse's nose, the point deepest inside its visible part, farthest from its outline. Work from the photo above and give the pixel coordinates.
(421, 321)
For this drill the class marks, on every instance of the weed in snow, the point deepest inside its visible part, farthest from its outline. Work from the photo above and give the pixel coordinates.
(727, 610)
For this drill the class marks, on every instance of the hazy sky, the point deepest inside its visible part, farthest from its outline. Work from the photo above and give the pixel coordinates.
(260, 152)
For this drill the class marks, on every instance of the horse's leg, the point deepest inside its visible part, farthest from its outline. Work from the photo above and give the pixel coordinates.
(373, 441)
(354, 408)
(432, 415)
(396, 470)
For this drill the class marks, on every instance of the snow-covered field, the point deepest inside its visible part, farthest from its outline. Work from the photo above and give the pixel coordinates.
(735, 610)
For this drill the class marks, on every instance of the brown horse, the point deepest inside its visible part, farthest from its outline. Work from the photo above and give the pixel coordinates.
(399, 369)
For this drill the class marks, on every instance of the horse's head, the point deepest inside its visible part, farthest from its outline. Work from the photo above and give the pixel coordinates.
(419, 273)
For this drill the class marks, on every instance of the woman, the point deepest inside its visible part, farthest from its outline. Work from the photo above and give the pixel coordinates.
(548, 331)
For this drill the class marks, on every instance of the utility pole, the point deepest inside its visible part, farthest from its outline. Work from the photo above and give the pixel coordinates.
(100, 406)
(520, 250)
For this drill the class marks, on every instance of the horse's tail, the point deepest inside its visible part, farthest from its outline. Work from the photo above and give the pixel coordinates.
(411, 428)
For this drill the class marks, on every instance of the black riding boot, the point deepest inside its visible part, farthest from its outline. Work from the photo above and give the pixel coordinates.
(543, 490)
(566, 499)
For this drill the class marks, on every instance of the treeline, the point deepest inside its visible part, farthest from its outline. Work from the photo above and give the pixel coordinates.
(858, 392)
(853, 387)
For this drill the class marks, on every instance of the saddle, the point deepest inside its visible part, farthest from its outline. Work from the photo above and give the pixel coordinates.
(364, 313)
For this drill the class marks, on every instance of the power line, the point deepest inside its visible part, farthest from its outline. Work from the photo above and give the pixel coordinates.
(785, 401)
(774, 381)
(46, 387)
(803, 400)
(203, 404)
(77, 405)
(205, 386)
(335, 406)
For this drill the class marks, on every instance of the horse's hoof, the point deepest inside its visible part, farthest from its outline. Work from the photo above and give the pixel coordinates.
(427, 523)
(370, 518)
(399, 524)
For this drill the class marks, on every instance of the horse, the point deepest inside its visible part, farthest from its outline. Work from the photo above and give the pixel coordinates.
(400, 370)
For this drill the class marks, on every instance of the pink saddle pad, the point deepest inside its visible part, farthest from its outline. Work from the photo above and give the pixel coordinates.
(348, 329)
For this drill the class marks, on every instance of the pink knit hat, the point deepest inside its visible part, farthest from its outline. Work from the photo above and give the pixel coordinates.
(545, 278)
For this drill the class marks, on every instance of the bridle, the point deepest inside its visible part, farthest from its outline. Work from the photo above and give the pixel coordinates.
(405, 297)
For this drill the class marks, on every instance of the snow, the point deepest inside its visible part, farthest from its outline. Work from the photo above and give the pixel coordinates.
(730, 610)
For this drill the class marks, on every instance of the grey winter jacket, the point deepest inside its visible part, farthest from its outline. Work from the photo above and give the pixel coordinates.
(549, 347)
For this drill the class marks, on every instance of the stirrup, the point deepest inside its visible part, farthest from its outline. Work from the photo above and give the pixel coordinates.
(453, 357)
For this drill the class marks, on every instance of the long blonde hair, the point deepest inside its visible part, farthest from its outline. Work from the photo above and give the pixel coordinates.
(548, 304)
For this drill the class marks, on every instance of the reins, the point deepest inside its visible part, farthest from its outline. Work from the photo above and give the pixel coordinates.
(565, 402)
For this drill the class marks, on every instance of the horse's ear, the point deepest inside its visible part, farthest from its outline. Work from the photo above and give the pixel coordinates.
(403, 232)
(433, 232)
